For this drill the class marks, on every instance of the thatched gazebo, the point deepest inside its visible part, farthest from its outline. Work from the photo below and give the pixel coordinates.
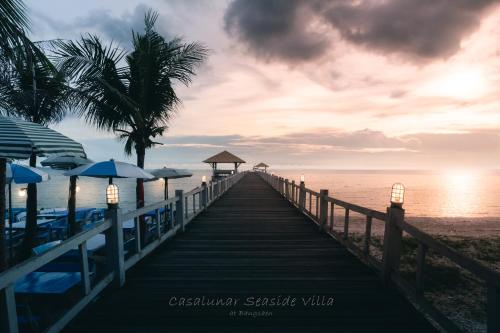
(261, 167)
(224, 157)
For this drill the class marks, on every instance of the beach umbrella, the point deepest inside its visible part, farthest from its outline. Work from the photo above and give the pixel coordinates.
(110, 169)
(18, 140)
(68, 163)
(169, 173)
(21, 174)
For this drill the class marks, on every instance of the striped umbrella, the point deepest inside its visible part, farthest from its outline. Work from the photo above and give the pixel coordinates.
(21, 174)
(110, 169)
(19, 138)
(169, 173)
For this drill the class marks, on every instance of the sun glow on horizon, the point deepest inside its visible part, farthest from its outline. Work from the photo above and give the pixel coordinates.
(463, 83)
(461, 192)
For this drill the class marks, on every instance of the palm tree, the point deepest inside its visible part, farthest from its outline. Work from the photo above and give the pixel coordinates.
(13, 44)
(131, 94)
(32, 90)
(13, 23)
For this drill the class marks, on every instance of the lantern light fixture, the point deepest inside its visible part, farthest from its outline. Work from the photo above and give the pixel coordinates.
(397, 195)
(112, 195)
(22, 192)
(302, 178)
(204, 179)
(77, 189)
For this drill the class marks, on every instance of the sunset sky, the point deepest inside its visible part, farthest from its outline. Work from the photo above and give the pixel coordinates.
(366, 84)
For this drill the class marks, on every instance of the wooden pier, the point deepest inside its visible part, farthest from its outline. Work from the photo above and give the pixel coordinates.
(251, 244)
(251, 252)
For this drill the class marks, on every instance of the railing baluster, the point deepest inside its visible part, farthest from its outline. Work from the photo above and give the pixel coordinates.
(186, 207)
(137, 235)
(194, 203)
(310, 202)
(8, 314)
(323, 212)
(158, 225)
(368, 234)
(317, 206)
(171, 215)
(419, 275)
(332, 211)
(84, 268)
(346, 224)
(179, 218)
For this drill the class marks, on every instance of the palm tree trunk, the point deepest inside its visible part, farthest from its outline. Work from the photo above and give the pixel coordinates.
(31, 214)
(3, 248)
(73, 227)
(139, 191)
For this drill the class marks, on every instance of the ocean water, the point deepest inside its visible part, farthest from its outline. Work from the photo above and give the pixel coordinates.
(429, 194)
(454, 194)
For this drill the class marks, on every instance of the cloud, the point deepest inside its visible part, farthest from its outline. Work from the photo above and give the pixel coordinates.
(326, 148)
(276, 29)
(117, 28)
(294, 30)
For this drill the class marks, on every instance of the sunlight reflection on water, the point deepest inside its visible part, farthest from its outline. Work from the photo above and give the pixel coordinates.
(453, 194)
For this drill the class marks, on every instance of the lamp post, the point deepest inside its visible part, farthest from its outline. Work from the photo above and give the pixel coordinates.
(302, 193)
(393, 234)
(22, 192)
(397, 195)
(112, 196)
(203, 196)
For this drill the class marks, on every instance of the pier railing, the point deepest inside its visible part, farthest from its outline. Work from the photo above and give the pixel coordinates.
(320, 208)
(176, 215)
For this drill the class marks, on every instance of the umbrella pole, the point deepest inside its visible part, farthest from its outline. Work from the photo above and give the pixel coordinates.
(11, 218)
(72, 226)
(3, 259)
(165, 195)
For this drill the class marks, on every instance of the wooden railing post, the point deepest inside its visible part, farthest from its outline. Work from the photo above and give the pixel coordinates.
(323, 209)
(8, 314)
(179, 209)
(302, 196)
(287, 189)
(493, 309)
(210, 191)
(203, 195)
(293, 191)
(392, 241)
(114, 246)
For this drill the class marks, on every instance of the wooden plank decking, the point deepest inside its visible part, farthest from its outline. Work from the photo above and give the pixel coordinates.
(251, 243)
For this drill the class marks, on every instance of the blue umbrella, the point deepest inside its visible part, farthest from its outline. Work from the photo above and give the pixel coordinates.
(21, 174)
(110, 169)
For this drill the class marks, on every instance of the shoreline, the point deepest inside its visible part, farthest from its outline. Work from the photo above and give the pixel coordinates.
(458, 226)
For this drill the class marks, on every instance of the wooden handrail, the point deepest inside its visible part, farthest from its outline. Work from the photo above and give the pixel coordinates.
(473, 266)
(13, 274)
(359, 209)
(389, 267)
(146, 209)
(112, 227)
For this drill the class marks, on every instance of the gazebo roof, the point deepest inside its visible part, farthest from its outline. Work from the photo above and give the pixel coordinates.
(224, 157)
(262, 165)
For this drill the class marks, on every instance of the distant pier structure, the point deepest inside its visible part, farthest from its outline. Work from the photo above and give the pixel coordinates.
(261, 167)
(224, 157)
